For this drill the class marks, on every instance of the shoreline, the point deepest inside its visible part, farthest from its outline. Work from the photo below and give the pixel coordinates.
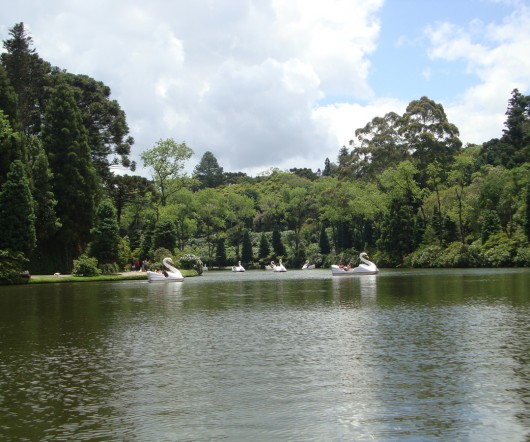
(122, 276)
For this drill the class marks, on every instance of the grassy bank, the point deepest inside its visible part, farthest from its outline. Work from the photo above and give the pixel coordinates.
(126, 276)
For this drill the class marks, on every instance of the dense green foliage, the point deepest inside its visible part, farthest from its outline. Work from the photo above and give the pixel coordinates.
(405, 189)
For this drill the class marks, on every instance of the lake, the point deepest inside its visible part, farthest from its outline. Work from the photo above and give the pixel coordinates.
(405, 355)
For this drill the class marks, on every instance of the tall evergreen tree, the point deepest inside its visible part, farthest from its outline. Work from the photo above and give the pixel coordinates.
(208, 171)
(323, 242)
(47, 222)
(17, 216)
(277, 244)
(105, 121)
(247, 255)
(220, 253)
(165, 235)
(105, 238)
(29, 76)
(74, 177)
(264, 248)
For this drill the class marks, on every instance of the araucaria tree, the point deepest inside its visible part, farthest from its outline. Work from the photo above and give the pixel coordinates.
(74, 177)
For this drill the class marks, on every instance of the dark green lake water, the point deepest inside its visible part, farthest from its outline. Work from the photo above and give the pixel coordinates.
(299, 356)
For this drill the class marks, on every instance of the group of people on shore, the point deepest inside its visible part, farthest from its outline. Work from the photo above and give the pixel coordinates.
(137, 266)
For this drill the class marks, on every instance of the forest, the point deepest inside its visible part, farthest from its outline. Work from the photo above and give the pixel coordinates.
(405, 189)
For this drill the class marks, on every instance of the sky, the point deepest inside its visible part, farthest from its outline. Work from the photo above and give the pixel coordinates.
(267, 84)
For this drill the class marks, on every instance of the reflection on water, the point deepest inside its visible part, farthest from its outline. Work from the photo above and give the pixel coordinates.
(402, 355)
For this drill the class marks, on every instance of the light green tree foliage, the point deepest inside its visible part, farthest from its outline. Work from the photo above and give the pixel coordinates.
(332, 204)
(17, 216)
(299, 205)
(398, 226)
(167, 160)
(381, 146)
(182, 212)
(211, 210)
(429, 135)
(459, 179)
(239, 216)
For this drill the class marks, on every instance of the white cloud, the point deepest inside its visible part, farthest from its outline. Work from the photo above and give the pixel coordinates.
(497, 54)
(246, 79)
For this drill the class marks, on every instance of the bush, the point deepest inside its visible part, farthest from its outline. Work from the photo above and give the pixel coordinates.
(499, 250)
(426, 257)
(191, 262)
(522, 257)
(109, 269)
(460, 255)
(12, 265)
(86, 266)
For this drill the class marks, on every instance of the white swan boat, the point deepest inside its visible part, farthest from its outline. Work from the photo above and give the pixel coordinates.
(280, 267)
(308, 266)
(366, 268)
(238, 267)
(171, 275)
(270, 266)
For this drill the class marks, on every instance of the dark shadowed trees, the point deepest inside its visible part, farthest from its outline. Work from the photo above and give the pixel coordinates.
(74, 177)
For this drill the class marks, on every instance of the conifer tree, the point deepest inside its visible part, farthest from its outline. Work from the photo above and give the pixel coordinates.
(220, 254)
(165, 235)
(247, 255)
(208, 171)
(325, 247)
(29, 76)
(74, 178)
(17, 217)
(264, 248)
(105, 242)
(277, 244)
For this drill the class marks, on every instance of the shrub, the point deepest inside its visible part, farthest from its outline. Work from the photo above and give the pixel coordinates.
(12, 265)
(426, 257)
(109, 269)
(191, 262)
(86, 266)
(460, 255)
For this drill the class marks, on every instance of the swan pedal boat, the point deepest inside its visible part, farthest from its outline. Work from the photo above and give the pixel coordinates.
(238, 267)
(308, 266)
(366, 268)
(280, 267)
(173, 275)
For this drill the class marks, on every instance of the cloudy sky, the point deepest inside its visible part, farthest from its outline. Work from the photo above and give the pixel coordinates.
(285, 83)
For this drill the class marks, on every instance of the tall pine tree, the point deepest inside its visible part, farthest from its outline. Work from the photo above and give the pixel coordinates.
(74, 178)
(246, 249)
(277, 243)
(17, 217)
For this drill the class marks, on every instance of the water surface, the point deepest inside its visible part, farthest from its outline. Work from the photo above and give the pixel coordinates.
(403, 355)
